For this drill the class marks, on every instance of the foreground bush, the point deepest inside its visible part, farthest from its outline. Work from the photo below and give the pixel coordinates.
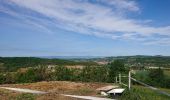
(142, 93)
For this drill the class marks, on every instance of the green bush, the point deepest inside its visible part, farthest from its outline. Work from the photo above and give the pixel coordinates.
(62, 73)
(94, 74)
(2, 78)
(142, 93)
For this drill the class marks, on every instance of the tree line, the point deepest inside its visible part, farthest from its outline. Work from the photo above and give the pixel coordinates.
(105, 73)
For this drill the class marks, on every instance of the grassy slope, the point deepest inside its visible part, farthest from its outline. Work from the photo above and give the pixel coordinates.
(167, 72)
(143, 93)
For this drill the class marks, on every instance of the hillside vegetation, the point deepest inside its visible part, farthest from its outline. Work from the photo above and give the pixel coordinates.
(140, 61)
(142, 93)
(14, 63)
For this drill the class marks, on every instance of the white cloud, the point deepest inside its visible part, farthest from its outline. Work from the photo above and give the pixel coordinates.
(164, 41)
(97, 19)
(122, 4)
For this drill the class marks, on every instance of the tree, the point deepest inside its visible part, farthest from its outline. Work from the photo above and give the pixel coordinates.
(156, 77)
(10, 78)
(115, 68)
(62, 73)
(2, 78)
(26, 77)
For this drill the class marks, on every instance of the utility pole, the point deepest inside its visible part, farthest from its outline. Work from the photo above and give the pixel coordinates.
(129, 80)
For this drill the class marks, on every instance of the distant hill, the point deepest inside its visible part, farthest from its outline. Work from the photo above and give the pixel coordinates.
(133, 61)
(71, 57)
(13, 63)
(140, 60)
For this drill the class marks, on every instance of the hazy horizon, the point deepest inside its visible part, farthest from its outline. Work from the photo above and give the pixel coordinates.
(85, 56)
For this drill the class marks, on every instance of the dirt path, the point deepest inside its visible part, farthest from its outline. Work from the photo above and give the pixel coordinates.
(24, 90)
(41, 92)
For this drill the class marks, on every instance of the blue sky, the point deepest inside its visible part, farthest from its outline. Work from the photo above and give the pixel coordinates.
(84, 27)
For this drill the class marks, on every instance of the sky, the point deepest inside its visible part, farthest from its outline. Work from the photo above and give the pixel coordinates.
(84, 27)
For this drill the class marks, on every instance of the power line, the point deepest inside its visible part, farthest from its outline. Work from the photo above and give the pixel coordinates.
(151, 87)
(148, 86)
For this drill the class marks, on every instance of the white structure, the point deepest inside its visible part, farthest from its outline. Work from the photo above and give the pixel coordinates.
(104, 90)
(116, 91)
(110, 90)
(107, 88)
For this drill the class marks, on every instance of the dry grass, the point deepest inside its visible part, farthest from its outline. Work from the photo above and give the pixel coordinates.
(55, 88)
(8, 95)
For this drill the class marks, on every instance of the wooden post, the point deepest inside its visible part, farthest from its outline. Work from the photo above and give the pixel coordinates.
(129, 80)
(119, 78)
